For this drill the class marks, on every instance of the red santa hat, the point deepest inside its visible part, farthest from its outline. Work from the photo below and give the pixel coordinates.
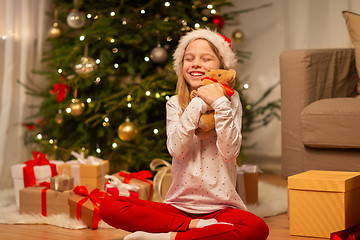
(222, 43)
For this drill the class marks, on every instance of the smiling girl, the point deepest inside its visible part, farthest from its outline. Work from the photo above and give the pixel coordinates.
(202, 202)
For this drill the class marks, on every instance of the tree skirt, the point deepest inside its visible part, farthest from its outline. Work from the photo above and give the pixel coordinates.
(272, 201)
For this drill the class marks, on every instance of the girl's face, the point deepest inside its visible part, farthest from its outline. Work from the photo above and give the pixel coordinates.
(198, 59)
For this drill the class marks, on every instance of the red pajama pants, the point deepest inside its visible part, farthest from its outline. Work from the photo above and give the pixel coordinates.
(139, 215)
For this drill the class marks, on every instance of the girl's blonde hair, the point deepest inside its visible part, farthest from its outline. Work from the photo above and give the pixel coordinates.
(182, 86)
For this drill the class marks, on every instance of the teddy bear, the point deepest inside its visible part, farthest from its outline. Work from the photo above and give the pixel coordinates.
(227, 80)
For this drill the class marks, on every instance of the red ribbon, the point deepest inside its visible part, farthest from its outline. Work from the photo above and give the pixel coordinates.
(43, 197)
(141, 175)
(28, 170)
(352, 233)
(95, 196)
(60, 89)
(229, 91)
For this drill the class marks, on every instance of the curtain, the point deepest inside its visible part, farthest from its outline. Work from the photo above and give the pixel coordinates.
(23, 29)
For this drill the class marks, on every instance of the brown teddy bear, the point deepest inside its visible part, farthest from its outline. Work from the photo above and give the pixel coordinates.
(227, 79)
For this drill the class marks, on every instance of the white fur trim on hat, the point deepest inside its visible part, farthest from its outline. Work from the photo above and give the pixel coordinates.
(228, 56)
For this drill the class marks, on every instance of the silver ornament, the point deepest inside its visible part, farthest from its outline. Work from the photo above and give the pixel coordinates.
(87, 65)
(76, 19)
(158, 54)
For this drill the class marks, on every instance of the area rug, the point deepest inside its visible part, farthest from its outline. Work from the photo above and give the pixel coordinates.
(272, 201)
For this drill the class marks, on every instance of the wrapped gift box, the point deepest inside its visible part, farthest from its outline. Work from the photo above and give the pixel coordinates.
(322, 202)
(62, 182)
(162, 179)
(140, 179)
(84, 204)
(247, 183)
(91, 173)
(114, 186)
(32, 201)
(42, 173)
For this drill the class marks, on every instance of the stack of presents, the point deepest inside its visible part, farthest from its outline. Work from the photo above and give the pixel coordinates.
(77, 187)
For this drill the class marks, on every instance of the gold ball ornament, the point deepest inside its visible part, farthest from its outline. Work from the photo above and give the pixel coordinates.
(238, 36)
(86, 66)
(127, 131)
(77, 107)
(55, 31)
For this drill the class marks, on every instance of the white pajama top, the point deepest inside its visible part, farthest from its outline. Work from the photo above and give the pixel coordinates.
(204, 171)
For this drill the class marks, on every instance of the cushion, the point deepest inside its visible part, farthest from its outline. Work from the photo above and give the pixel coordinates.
(331, 123)
(353, 25)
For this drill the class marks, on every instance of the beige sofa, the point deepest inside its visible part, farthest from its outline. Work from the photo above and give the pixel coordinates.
(320, 113)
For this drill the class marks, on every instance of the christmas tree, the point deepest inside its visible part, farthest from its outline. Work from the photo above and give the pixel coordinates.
(110, 74)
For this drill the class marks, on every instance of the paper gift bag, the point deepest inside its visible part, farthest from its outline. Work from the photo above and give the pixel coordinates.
(162, 179)
(247, 183)
(42, 200)
(33, 172)
(114, 186)
(84, 204)
(140, 179)
(90, 170)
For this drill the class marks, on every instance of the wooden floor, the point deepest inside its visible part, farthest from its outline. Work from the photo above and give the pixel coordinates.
(279, 225)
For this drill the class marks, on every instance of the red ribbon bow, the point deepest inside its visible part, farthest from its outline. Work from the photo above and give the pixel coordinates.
(229, 91)
(28, 170)
(95, 196)
(43, 197)
(141, 175)
(60, 89)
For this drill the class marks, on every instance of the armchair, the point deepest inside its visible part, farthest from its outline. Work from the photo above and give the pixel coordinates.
(320, 112)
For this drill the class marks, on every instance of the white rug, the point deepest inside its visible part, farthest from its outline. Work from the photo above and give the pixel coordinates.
(272, 201)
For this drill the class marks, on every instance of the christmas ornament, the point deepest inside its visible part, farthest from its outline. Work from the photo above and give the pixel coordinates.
(60, 89)
(218, 21)
(55, 31)
(86, 66)
(127, 131)
(77, 107)
(59, 118)
(158, 54)
(238, 36)
(76, 18)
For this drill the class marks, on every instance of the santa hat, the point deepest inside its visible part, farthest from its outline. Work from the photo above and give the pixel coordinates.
(222, 43)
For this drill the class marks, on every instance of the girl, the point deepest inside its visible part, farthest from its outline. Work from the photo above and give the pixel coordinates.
(202, 202)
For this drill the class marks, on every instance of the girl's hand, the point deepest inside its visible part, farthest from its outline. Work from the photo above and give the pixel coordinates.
(210, 93)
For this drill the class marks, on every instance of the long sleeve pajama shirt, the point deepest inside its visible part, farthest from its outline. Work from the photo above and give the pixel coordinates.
(204, 171)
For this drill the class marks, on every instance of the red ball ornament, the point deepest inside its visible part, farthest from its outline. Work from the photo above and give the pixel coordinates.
(218, 21)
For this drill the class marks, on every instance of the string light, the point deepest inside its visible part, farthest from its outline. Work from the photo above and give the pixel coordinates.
(128, 98)
(156, 131)
(98, 150)
(112, 40)
(157, 95)
(4, 37)
(82, 38)
(209, 6)
(197, 25)
(142, 11)
(51, 141)
(167, 97)
(129, 105)
(213, 11)
(88, 15)
(112, 14)
(60, 70)
(39, 136)
(114, 145)
(146, 59)
(88, 100)
(68, 110)
(167, 4)
(147, 93)
(97, 61)
(246, 86)
(97, 80)
(116, 65)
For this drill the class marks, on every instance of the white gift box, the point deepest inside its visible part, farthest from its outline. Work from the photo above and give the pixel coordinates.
(42, 174)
